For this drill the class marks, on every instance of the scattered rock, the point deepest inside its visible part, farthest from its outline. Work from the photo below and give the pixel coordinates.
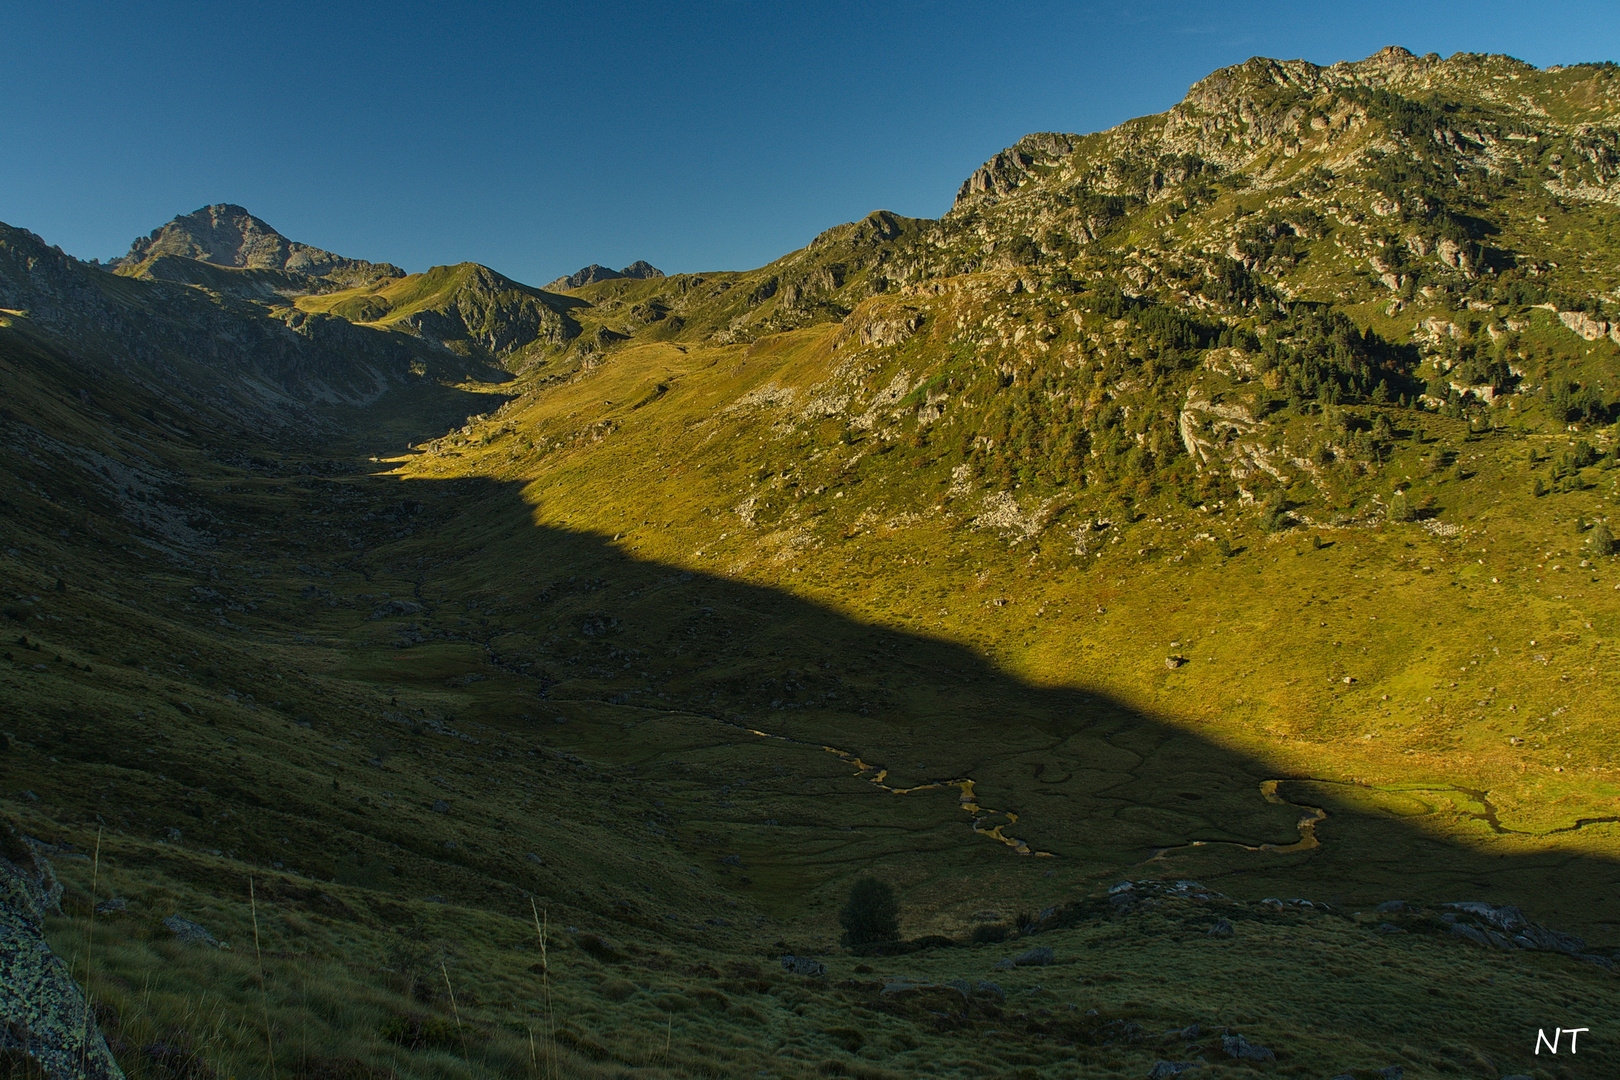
(1039, 956)
(1504, 916)
(1173, 662)
(1222, 928)
(1389, 928)
(396, 607)
(1389, 907)
(985, 986)
(803, 965)
(189, 933)
(1236, 1046)
(440, 806)
(111, 905)
(900, 985)
(1392, 1072)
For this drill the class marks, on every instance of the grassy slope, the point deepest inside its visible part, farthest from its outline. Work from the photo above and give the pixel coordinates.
(1414, 619)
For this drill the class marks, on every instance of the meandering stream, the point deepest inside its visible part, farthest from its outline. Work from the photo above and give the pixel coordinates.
(985, 821)
(994, 823)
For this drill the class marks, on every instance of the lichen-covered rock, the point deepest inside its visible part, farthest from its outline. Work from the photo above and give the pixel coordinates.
(45, 1013)
(804, 965)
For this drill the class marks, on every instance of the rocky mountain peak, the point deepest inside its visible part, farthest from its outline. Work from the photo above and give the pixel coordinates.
(227, 235)
(642, 269)
(590, 275)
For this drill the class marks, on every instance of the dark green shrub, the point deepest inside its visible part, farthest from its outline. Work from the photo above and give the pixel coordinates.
(1400, 509)
(1274, 516)
(871, 914)
(1601, 542)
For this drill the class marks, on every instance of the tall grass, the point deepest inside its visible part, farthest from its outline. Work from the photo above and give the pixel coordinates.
(264, 999)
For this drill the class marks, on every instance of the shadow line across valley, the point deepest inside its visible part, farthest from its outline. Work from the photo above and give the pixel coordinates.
(638, 662)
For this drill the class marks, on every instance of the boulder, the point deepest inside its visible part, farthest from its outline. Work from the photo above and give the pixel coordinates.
(1039, 956)
(1222, 928)
(804, 965)
(190, 933)
(1236, 1046)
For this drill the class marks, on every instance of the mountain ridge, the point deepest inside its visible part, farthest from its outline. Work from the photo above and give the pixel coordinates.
(226, 235)
(590, 275)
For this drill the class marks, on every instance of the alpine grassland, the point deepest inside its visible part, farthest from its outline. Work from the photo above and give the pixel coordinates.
(1157, 619)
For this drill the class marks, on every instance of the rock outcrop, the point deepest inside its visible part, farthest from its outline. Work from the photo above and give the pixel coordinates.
(48, 1028)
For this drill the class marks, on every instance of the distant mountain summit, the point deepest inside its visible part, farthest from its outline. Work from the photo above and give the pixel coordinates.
(227, 235)
(595, 272)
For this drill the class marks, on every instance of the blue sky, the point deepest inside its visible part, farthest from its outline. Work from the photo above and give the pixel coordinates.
(537, 138)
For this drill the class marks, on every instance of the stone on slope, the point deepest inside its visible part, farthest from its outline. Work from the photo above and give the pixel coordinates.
(1039, 956)
(191, 933)
(1236, 1046)
(803, 965)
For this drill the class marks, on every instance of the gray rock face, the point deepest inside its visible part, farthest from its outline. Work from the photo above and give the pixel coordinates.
(1539, 937)
(1502, 916)
(1507, 928)
(804, 965)
(43, 1008)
